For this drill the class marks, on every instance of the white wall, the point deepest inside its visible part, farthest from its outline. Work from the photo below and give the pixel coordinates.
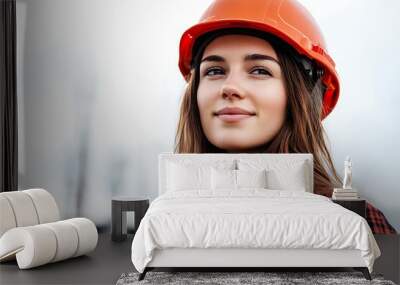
(99, 90)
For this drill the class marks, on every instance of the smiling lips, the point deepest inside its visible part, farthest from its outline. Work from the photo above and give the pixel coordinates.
(233, 114)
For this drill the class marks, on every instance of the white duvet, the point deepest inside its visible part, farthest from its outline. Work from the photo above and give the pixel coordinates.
(250, 218)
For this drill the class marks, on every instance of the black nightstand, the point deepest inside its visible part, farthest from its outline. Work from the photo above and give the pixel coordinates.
(119, 206)
(357, 206)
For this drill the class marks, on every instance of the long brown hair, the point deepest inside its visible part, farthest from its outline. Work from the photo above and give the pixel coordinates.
(302, 131)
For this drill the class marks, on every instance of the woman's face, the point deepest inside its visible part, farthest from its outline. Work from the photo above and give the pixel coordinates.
(240, 71)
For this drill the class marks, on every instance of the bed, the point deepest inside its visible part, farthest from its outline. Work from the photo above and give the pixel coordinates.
(247, 210)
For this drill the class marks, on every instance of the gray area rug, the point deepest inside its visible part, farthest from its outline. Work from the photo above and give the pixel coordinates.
(225, 278)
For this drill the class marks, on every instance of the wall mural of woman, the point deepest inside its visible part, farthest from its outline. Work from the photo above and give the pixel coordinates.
(260, 80)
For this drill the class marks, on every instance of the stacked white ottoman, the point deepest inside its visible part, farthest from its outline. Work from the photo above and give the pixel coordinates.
(31, 230)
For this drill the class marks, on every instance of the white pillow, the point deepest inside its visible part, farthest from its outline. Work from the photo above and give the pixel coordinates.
(182, 177)
(293, 178)
(236, 179)
(251, 178)
(281, 174)
(223, 179)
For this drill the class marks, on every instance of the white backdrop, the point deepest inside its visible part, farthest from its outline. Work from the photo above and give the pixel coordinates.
(99, 90)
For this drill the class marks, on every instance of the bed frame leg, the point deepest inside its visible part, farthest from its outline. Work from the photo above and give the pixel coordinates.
(364, 271)
(143, 274)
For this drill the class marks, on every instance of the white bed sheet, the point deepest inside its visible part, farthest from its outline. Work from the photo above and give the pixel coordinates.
(250, 218)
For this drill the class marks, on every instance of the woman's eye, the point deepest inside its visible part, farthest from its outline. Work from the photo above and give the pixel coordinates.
(213, 71)
(262, 71)
(219, 71)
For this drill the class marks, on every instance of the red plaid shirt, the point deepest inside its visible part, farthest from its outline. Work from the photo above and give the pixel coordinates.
(378, 222)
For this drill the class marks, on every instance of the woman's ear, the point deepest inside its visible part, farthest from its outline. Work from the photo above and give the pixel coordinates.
(188, 76)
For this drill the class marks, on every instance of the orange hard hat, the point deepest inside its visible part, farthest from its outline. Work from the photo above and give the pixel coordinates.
(286, 19)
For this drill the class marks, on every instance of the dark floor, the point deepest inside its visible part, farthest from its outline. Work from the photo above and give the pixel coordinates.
(102, 266)
(110, 259)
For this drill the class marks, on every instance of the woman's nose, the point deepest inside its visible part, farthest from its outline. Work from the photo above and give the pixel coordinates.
(230, 90)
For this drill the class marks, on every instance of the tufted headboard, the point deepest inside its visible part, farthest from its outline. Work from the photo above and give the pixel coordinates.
(216, 159)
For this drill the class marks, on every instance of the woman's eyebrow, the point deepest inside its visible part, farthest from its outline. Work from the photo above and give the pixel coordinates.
(216, 58)
(257, 56)
(249, 57)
